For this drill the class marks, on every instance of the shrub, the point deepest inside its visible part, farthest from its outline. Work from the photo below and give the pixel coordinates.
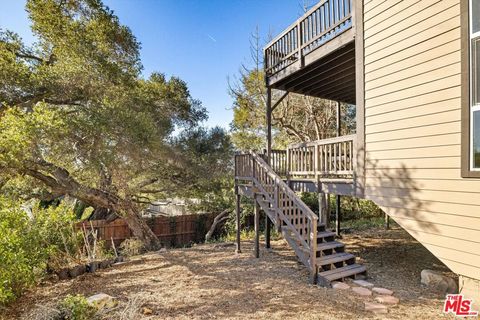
(29, 239)
(77, 308)
(132, 247)
(352, 208)
(21, 256)
(55, 226)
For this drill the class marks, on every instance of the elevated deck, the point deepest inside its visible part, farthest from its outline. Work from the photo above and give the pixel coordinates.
(326, 166)
(316, 54)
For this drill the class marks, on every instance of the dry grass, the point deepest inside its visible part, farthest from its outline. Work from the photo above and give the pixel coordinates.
(211, 282)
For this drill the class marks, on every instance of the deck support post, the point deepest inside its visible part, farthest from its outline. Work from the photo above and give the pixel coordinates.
(269, 124)
(322, 212)
(268, 228)
(338, 214)
(269, 154)
(387, 221)
(257, 226)
(327, 210)
(237, 213)
(337, 197)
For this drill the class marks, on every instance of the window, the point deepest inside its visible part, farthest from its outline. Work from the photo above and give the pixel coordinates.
(474, 36)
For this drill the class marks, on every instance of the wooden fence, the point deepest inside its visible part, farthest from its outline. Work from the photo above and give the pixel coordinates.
(171, 231)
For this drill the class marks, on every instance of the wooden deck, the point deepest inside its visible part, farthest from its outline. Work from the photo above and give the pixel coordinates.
(316, 54)
(326, 165)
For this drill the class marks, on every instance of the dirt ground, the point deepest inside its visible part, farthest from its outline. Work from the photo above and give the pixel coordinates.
(211, 282)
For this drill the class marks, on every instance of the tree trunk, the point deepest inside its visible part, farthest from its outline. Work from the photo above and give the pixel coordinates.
(60, 180)
(141, 230)
(222, 217)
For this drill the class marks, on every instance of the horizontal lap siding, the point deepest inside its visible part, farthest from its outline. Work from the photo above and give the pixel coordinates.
(413, 125)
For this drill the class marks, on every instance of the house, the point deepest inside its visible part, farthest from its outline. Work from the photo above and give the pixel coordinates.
(171, 207)
(411, 67)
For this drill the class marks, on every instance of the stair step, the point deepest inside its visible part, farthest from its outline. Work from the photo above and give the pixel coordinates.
(264, 202)
(329, 245)
(343, 272)
(326, 234)
(334, 258)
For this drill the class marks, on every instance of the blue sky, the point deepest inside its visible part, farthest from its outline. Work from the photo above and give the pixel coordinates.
(201, 41)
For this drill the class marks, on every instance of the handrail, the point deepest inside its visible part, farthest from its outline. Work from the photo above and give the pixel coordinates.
(321, 23)
(288, 209)
(284, 186)
(306, 14)
(322, 142)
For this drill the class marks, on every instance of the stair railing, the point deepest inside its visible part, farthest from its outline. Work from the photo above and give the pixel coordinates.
(289, 209)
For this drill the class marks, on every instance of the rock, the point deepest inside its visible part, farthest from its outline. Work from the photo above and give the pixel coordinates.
(102, 301)
(363, 283)
(93, 266)
(163, 250)
(362, 291)
(375, 307)
(63, 274)
(146, 311)
(438, 282)
(77, 270)
(387, 299)
(383, 291)
(106, 264)
(360, 276)
(340, 285)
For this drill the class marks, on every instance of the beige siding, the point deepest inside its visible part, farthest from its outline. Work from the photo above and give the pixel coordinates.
(413, 125)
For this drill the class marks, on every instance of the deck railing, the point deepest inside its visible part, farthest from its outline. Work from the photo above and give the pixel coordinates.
(323, 22)
(327, 158)
(324, 158)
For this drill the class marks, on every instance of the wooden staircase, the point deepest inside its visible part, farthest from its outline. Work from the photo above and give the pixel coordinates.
(314, 246)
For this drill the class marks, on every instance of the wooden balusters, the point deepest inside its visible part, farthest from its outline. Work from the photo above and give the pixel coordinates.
(322, 158)
(322, 22)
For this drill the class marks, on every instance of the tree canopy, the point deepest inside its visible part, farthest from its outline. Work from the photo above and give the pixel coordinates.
(78, 118)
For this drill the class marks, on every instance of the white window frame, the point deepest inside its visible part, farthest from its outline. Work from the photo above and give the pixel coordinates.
(473, 108)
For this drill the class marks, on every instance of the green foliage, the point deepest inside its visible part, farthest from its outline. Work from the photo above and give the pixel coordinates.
(352, 208)
(77, 117)
(249, 234)
(28, 241)
(364, 223)
(20, 258)
(246, 215)
(55, 226)
(131, 247)
(77, 308)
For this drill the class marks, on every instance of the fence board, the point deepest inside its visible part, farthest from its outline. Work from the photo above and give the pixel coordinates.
(171, 231)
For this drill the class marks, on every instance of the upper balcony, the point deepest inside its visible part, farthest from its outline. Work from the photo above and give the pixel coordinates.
(316, 54)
